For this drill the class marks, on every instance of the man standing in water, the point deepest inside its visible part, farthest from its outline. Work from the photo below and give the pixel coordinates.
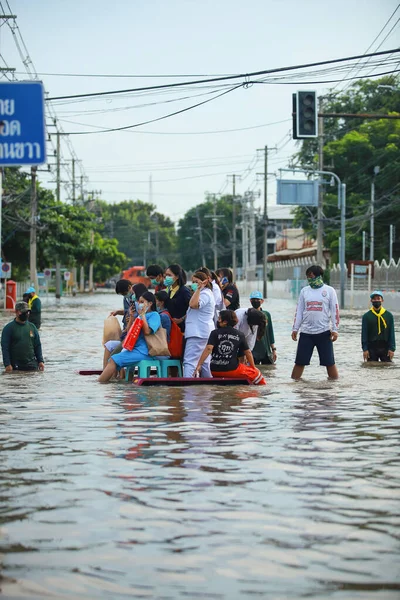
(20, 343)
(317, 315)
(377, 333)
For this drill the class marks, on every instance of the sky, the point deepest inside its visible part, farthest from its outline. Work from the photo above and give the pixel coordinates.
(193, 153)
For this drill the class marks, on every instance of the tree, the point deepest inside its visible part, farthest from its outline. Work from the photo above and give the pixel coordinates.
(66, 233)
(143, 234)
(352, 149)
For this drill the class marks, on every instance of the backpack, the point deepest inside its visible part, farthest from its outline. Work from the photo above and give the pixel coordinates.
(175, 340)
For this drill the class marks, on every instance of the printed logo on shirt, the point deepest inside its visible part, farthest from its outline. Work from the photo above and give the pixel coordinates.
(225, 347)
(31, 333)
(324, 293)
(314, 305)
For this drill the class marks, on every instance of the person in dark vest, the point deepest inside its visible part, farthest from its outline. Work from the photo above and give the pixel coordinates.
(20, 343)
(35, 307)
(377, 331)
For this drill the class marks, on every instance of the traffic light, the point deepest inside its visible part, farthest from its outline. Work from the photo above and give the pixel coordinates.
(306, 115)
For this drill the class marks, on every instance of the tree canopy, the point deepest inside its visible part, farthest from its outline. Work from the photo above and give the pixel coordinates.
(352, 148)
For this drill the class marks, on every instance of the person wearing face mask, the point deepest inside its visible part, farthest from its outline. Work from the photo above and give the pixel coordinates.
(20, 343)
(264, 351)
(156, 273)
(377, 331)
(130, 292)
(317, 316)
(229, 289)
(179, 295)
(216, 290)
(199, 325)
(151, 323)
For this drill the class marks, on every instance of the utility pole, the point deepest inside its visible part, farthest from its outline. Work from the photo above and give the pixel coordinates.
(372, 215)
(234, 265)
(363, 245)
(203, 260)
(320, 225)
(391, 239)
(82, 192)
(73, 181)
(215, 219)
(265, 239)
(58, 151)
(58, 198)
(33, 230)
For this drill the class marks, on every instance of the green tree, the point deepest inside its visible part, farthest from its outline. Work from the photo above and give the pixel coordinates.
(143, 233)
(353, 148)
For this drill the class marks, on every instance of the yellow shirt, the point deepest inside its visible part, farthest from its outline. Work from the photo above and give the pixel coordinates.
(173, 289)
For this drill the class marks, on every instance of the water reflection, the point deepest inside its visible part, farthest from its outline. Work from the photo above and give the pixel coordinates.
(119, 491)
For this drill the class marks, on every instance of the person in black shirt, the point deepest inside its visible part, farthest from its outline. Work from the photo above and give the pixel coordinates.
(227, 347)
(229, 289)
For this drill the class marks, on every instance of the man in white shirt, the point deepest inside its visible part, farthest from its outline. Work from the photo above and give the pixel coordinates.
(317, 317)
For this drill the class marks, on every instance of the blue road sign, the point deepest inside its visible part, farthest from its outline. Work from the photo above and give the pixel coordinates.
(22, 128)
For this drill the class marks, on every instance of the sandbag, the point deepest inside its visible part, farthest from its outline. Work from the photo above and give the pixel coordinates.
(111, 329)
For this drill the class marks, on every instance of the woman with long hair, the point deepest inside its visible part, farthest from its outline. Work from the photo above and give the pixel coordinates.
(179, 295)
(252, 323)
(199, 324)
(151, 322)
(216, 289)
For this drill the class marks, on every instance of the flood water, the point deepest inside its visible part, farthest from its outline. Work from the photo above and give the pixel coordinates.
(114, 491)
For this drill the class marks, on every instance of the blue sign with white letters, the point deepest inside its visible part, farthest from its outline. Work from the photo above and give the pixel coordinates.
(22, 127)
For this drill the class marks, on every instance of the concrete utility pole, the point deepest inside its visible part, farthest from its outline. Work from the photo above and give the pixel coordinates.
(82, 191)
(320, 224)
(363, 245)
(58, 198)
(234, 265)
(33, 230)
(215, 231)
(73, 181)
(372, 216)
(265, 240)
(234, 227)
(203, 260)
(391, 239)
(245, 244)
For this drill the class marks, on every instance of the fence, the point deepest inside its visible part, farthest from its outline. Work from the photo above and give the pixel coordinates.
(386, 277)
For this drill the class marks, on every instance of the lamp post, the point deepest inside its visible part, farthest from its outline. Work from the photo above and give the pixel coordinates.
(342, 206)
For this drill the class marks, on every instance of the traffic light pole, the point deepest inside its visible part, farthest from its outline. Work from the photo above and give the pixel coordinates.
(342, 205)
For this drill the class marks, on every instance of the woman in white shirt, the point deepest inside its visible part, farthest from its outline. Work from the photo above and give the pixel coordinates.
(252, 323)
(199, 325)
(216, 290)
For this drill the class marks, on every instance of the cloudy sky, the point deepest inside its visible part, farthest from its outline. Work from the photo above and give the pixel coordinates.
(158, 42)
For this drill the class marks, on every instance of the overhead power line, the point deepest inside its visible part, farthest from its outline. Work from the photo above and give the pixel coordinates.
(244, 76)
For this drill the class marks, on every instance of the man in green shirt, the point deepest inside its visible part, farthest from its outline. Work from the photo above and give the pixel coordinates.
(20, 343)
(35, 307)
(377, 331)
(264, 351)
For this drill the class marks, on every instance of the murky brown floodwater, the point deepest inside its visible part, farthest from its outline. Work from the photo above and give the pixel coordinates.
(112, 491)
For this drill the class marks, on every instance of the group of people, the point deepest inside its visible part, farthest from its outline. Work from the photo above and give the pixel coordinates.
(203, 318)
(220, 338)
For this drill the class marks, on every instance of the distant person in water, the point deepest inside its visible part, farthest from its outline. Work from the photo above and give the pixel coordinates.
(317, 317)
(377, 331)
(35, 307)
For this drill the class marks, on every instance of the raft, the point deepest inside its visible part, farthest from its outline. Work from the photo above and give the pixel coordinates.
(186, 381)
(177, 381)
